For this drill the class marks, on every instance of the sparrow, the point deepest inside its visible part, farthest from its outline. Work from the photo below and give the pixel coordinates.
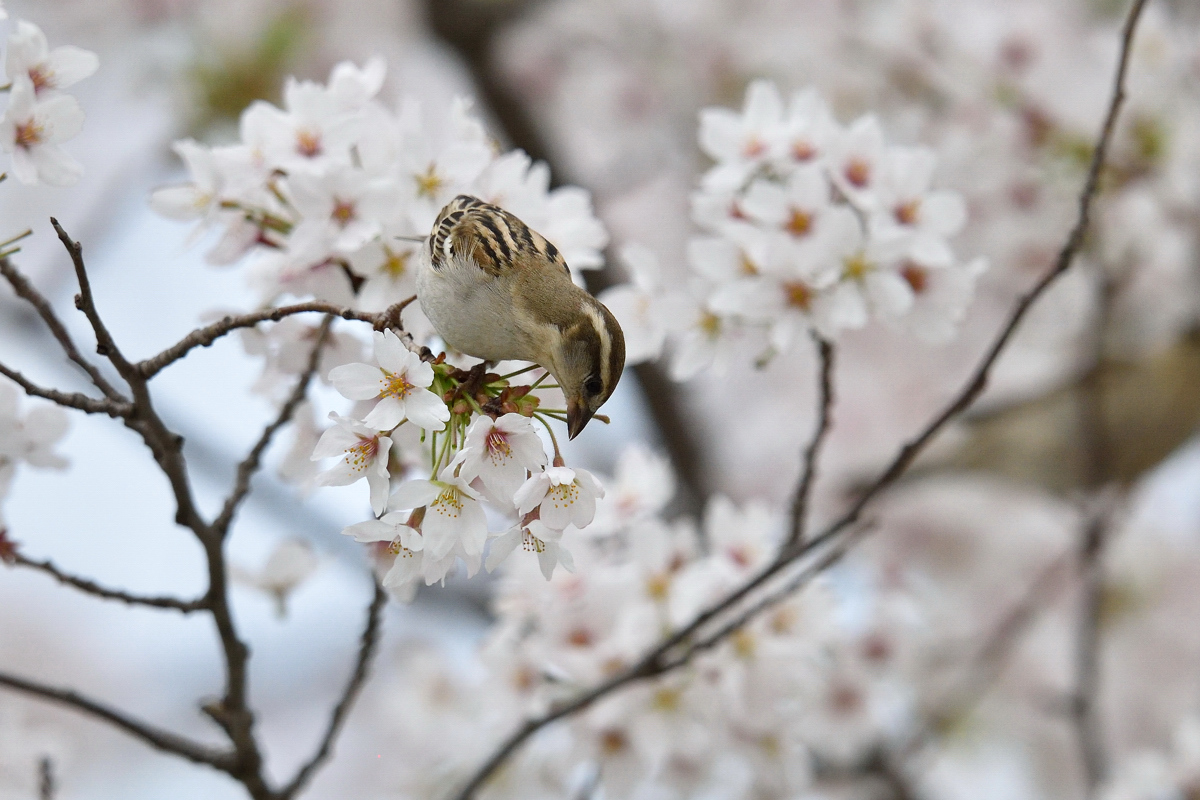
(497, 290)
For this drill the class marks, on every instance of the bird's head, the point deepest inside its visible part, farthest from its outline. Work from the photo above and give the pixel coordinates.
(588, 363)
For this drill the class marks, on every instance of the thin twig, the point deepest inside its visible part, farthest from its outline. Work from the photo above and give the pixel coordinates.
(250, 464)
(1096, 450)
(85, 302)
(155, 737)
(799, 518)
(47, 786)
(203, 337)
(80, 402)
(29, 293)
(1084, 713)
(650, 664)
(93, 588)
(366, 650)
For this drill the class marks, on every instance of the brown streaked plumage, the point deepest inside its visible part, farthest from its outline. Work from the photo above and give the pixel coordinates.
(497, 290)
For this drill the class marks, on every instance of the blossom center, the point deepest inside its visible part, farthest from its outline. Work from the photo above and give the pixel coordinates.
(665, 700)
(857, 172)
(798, 294)
(343, 212)
(29, 133)
(856, 266)
(308, 143)
(803, 150)
(754, 148)
(395, 385)
(916, 275)
(908, 213)
(658, 585)
(710, 324)
(498, 447)
(42, 77)
(746, 266)
(429, 183)
(564, 495)
(846, 700)
(396, 264)
(360, 456)
(399, 550)
(613, 741)
(449, 503)
(580, 637)
(531, 543)
(743, 643)
(799, 222)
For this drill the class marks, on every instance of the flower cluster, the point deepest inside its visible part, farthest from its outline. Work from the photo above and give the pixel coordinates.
(330, 197)
(808, 225)
(27, 438)
(321, 193)
(482, 446)
(39, 117)
(818, 676)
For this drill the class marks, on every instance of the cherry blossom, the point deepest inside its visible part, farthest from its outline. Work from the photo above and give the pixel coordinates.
(739, 143)
(537, 538)
(500, 453)
(30, 61)
(401, 541)
(453, 516)
(364, 454)
(562, 495)
(398, 382)
(32, 129)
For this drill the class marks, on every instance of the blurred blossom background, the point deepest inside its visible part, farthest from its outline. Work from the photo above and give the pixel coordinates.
(939, 659)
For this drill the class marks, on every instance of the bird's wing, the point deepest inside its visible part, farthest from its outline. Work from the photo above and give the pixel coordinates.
(492, 238)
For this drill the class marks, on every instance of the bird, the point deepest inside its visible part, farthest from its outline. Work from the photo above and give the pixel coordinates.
(497, 290)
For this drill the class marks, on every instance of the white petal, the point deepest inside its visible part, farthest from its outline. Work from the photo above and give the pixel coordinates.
(70, 64)
(373, 530)
(387, 414)
(502, 547)
(414, 494)
(426, 410)
(357, 381)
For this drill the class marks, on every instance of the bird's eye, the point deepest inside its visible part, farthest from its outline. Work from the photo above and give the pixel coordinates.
(593, 386)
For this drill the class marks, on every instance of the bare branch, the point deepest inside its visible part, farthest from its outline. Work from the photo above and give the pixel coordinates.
(366, 649)
(105, 345)
(27, 292)
(93, 588)
(203, 337)
(804, 489)
(655, 661)
(250, 464)
(1084, 713)
(155, 737)
(80, 402)
(47, 786)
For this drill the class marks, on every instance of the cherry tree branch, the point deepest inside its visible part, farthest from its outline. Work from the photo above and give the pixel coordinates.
(76, 400)
(799, 518)
(251, 462)
(29, 293)
(155, 737)
(652, 664)
(91, 587)
(366, 649)
(231, 712)
(203, 337)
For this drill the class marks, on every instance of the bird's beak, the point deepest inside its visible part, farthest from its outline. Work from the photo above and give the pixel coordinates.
(577, 417)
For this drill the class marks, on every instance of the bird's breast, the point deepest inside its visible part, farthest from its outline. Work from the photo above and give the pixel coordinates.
(474, 311)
